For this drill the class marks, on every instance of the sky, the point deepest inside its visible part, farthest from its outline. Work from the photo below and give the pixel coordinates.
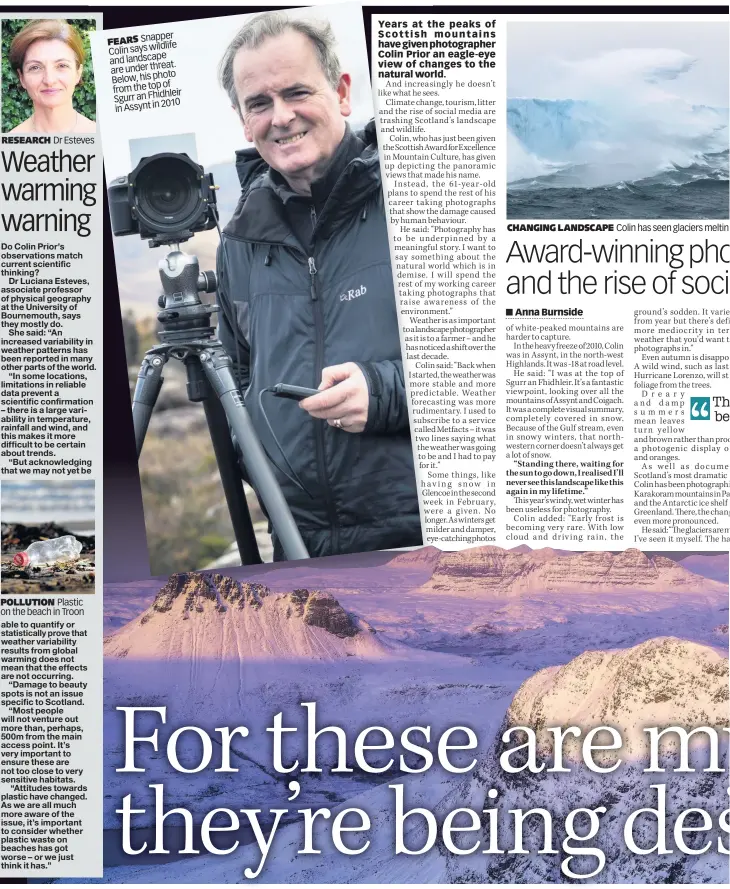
(537, 51)
(205, 109)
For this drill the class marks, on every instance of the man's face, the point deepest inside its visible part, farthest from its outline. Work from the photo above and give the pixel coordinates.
(290, 111)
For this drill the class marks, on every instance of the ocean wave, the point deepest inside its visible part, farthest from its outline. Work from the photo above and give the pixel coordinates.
(709, 168)
(650, 198)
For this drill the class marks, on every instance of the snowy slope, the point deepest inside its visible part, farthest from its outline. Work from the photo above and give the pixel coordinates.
(231, 651)
(493, 570)
(658, 680)
(219, 652)
(713, 566)
(243, 621)
(664, 681)
(654, 683)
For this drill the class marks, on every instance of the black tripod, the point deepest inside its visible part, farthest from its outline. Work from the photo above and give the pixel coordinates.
(187, 335)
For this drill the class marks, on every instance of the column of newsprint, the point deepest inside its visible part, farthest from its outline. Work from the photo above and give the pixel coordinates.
(438, 97)
(50, 416)
(559, 372)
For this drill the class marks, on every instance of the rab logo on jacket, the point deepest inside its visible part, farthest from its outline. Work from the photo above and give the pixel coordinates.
(353, 294)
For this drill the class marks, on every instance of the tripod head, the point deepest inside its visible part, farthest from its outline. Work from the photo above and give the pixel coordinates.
(184, 316)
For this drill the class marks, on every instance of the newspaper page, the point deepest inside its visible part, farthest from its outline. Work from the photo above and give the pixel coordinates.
(539, 694)
(51, 456)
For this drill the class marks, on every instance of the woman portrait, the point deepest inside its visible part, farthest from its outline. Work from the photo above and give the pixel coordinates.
(47, 57)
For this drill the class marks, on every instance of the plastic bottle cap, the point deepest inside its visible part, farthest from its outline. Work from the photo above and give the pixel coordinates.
(21, 560)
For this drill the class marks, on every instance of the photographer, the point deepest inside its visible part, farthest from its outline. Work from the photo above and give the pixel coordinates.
(306, 290)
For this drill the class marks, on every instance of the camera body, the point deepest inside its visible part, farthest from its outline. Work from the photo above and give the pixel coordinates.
(166, 198)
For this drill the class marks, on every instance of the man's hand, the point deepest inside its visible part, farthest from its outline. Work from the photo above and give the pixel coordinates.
(344, 398)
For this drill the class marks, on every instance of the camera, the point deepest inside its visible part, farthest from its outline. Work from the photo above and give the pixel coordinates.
(166, 198)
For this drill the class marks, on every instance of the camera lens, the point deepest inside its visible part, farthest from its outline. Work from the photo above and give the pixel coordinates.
(168, 192)
(165, 197)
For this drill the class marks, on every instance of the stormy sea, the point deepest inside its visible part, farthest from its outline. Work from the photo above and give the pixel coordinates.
(698, 191)
(640, 153)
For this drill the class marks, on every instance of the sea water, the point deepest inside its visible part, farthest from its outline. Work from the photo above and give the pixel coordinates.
(629, 149)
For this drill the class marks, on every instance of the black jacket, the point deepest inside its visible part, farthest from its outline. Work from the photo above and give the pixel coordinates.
(290, 310)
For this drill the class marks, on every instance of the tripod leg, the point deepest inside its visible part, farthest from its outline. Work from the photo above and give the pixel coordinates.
(225, 456)
(149, 383)
(217, 367)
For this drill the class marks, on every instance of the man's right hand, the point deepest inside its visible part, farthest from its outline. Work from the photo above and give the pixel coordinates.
(343, 400)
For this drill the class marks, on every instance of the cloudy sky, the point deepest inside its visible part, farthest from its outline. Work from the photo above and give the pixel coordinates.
(538, 53)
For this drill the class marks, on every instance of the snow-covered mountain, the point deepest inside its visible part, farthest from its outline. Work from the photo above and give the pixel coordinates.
(664, 681)
(424, 556)
(660, 681)
(713, 566)
(242, 621)
(492, 570)
(215, 651)
(236, 650)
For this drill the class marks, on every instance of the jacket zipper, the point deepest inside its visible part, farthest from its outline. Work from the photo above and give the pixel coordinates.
(319, 427)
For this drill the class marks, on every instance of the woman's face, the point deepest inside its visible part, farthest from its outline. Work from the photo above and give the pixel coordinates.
(50, 73)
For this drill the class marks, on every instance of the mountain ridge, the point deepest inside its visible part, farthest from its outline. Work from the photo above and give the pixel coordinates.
(492, 569)
(198, 615)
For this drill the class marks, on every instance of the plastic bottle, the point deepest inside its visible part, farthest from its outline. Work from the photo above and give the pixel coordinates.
(47, 552)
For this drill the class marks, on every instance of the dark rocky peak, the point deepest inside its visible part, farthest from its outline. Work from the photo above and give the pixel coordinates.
(196, 589)
(199, 592)
(241, 594)
(181, 584)
(318, 609)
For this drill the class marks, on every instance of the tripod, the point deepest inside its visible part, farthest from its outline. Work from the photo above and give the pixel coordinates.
(187, 335)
